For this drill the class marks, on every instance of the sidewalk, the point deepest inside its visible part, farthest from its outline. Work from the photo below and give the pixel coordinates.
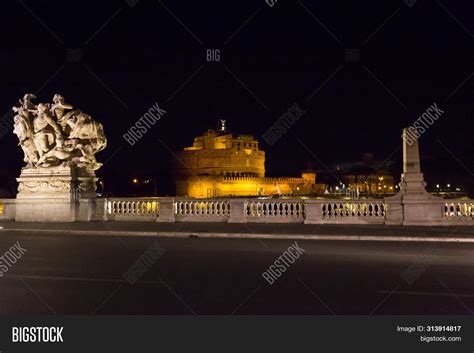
(248, 230)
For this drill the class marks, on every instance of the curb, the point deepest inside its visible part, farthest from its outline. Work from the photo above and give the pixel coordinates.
(243, 235)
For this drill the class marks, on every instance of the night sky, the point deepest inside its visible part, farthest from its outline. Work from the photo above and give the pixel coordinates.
(134, 54)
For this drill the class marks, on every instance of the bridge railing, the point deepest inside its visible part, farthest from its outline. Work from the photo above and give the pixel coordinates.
(7, 209)
(131, 208)
(201, 210)
(282, 210)
(459, 210)
(274, 211)
(251, 210)
(346, 211)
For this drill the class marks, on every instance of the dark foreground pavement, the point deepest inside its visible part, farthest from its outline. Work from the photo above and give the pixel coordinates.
(84, 275)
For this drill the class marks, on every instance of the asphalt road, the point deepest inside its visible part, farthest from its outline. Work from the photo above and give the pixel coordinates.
(84, 275)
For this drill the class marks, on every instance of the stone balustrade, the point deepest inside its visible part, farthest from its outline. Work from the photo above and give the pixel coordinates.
(131, 209)
(459, 210)
(346, 211)
(236, 210)
(211, 210)
(256, 210)
(7, 209)
(286, 211)
(374, 209)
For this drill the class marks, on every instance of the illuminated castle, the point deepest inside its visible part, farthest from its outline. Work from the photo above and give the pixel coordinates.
(222, 164)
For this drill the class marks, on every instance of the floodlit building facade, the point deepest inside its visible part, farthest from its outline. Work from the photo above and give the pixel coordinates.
(220, 164)
(369, 177)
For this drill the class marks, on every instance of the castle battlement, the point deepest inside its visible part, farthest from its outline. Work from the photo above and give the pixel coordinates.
(223, 164)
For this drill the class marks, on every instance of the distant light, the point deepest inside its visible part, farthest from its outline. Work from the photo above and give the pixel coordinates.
(135, 181)
(458, 189)
(448, 185)
(337, 188)
(437, 186)
(1, 227)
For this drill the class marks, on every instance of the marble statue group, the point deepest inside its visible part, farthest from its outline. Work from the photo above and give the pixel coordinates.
(57, 134)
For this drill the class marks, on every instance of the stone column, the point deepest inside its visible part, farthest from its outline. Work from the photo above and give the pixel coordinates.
(166, 211)
(418, 206)
(412, 180)
(237, 211)
(312, 212)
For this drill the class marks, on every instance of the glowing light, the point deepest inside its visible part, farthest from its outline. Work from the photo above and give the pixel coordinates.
(448, 185)
(437, 186)
(135, 181)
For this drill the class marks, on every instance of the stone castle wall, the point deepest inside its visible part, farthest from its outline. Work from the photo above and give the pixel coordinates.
(219, 186)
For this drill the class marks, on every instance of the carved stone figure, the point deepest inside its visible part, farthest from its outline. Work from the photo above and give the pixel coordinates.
(53, 135)
(23, 128)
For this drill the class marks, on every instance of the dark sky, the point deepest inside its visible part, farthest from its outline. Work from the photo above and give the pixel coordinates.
(411, 55)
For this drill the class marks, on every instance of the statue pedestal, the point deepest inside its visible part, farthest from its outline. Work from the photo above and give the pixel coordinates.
(413, 205)
(56, 194)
